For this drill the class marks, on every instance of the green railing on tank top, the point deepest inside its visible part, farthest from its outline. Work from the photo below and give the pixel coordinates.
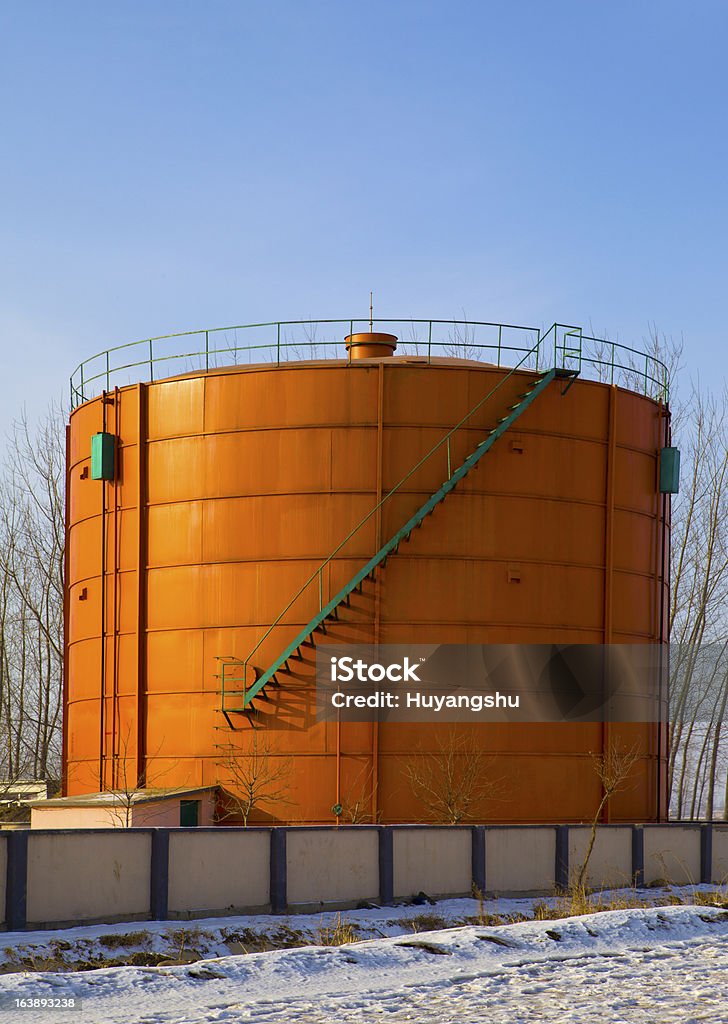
(566, 350)
(278, 342)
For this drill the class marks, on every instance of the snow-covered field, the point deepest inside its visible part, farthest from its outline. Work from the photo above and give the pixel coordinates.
(658, 965)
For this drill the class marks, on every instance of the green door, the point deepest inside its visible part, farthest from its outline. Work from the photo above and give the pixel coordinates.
(189, 813)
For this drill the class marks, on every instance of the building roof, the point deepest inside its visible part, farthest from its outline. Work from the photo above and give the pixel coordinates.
(114, 797)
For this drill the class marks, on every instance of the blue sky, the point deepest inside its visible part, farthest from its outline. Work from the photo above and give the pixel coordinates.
(168, 165)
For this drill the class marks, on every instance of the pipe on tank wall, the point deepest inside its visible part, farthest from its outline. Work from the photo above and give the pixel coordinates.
(141, 562)
(338, 763)
(665, 537)
(667, 590)
(102, 708)
(609, 552)
(378, 583)
(115, 719)
(66, 602)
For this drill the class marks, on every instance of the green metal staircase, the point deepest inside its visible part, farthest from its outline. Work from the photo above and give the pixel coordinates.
(330, 611)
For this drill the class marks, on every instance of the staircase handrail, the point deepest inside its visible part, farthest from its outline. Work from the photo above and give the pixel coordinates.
(317, 573)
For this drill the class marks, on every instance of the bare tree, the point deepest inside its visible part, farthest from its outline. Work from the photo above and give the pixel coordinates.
(127, 789)
(613, 768)
(251, 778)
(356, 802)
(699, 608)
(126, 792)
(650, 371)
(31, 598)
(453, 783)
(461, 341)
(411, 345)
(698, 613)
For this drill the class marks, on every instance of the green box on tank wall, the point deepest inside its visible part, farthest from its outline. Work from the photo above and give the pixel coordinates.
(102, 456)
(669, 471)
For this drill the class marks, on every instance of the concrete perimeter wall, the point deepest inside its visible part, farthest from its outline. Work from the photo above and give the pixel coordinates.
(61, 877)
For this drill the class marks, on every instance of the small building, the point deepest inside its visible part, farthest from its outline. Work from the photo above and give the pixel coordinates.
(139, 808)
(16, 796)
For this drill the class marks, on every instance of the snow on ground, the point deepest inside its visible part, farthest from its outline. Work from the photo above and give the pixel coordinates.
(146, 943)
(659, 965)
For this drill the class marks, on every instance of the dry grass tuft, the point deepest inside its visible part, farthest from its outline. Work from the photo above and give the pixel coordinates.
(339, 934)
(427, 923)
(120, 940)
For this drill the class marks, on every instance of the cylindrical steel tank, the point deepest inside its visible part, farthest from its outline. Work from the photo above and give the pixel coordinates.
(230, 488)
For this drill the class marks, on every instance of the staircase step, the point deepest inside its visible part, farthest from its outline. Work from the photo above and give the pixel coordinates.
(369, 571)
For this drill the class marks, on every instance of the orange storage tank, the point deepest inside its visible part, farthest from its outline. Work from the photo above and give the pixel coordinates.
(231, 486)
